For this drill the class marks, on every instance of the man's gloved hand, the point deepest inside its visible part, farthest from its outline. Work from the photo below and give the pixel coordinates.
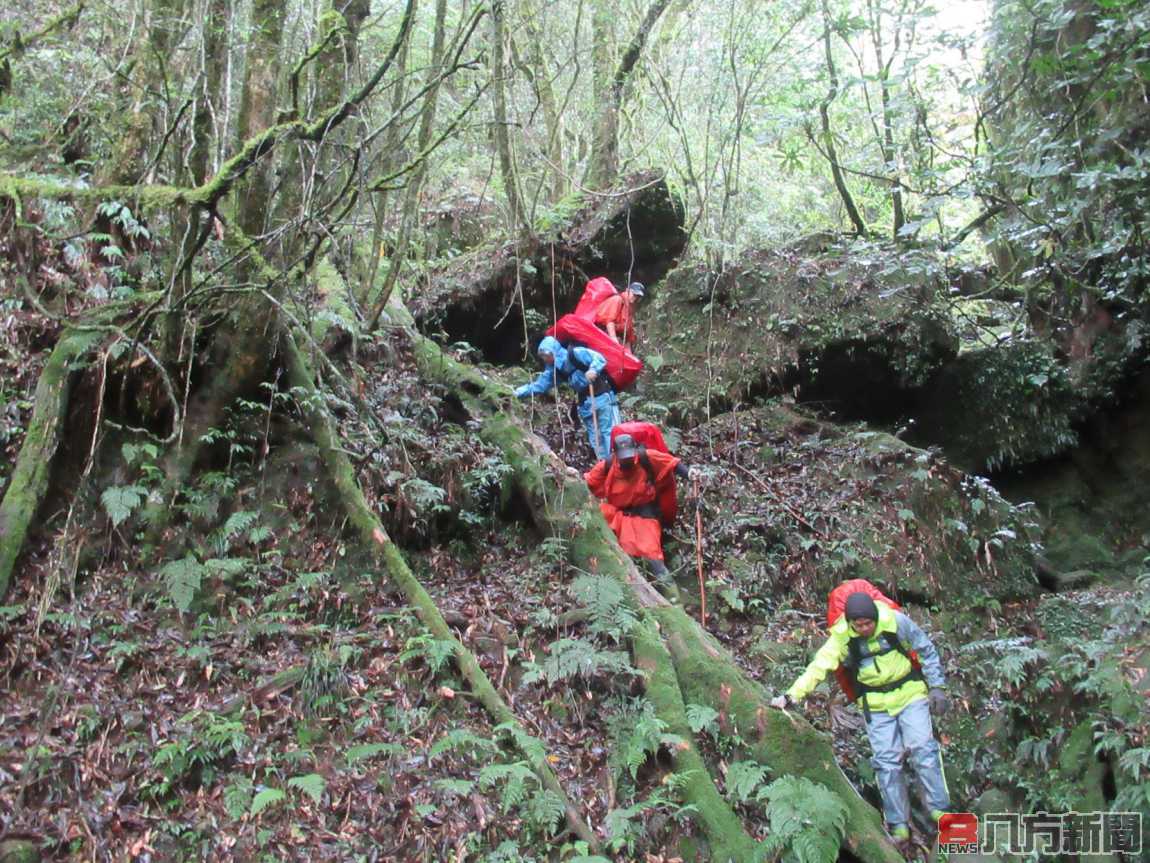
(694, 474)
(939, 703)
(591, 376)
(782, 702)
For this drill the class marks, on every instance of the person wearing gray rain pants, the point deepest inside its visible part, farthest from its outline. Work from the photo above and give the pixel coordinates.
(582, 370)
(897, 696)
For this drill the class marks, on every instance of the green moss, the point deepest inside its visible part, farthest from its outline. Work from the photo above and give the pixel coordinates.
(994, 407)
(334, 308)
(29, 482)
(728, 839)
(774, 312)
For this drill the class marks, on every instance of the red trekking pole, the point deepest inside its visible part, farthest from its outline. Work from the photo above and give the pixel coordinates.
(699, 552)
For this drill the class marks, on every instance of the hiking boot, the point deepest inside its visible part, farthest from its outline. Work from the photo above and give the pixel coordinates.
(936, 814)
(901, 833)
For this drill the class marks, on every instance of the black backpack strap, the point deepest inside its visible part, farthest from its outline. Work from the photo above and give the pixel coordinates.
(645, 460)
(605, 382)
(853, 661)
(890, 642)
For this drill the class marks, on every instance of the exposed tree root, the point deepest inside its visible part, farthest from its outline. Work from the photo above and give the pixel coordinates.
(371, 532)
(699, 671)
(30, 478)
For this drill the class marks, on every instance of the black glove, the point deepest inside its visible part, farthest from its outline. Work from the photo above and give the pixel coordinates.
(939, 703)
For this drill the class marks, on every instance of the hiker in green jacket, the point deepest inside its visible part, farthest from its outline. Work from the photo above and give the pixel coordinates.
(872, 640)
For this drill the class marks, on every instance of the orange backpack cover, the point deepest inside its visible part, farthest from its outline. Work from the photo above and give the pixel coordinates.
(595, 292)
(622, 365)
(649, 436)
(836, 605)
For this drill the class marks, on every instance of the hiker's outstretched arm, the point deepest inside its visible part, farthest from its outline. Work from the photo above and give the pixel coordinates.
(544, 383)
(827, 659)
(911, 634)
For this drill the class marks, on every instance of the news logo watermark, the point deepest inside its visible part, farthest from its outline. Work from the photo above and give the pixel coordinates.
(1082, 833)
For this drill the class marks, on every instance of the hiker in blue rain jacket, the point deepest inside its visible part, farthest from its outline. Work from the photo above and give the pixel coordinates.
(582, 370)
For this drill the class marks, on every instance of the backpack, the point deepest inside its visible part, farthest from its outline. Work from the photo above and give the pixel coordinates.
(595, 292)
(648, 436)
(847, 673)
(622, 365)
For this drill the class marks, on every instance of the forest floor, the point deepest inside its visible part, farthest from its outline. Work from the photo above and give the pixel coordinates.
(287, 705)
(297, 709)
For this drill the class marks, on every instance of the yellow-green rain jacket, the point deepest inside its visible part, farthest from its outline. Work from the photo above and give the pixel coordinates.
(877, 670)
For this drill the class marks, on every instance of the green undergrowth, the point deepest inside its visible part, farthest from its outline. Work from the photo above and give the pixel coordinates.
(795, 505)
(1054, 695)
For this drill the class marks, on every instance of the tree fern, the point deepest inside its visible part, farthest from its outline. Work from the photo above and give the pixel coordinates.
(182, 578)
(606, 601)
(530, 746)
(576, 658)
(462, 739)
(544, 810)
(743, 780)
(807, 820)
(516, 779)
(702, 718)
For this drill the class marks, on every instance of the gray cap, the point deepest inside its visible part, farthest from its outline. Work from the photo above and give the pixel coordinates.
(636, 288)
(860, 605)
(625, 446)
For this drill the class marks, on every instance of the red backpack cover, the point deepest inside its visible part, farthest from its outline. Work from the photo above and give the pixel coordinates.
(836, 605)
(649, 436)
(594, 293)
(622, 365)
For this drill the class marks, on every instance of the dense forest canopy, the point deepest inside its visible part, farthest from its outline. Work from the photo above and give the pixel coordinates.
(286, 572)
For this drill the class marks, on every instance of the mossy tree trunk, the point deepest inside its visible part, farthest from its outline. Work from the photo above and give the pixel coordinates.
(499, 78)
(411, 211)
(29, 482)
(603, 169)
(241, 345)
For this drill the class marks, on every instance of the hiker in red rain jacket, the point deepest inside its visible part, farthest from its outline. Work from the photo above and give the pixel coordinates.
(617, 314)
(628, 486)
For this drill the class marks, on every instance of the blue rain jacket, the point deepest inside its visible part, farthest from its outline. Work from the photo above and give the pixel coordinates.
(565, 371)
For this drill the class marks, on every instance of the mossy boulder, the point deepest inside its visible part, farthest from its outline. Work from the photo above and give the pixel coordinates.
(858, 332)
(998, 406)
(500, 299)
(1096, 498)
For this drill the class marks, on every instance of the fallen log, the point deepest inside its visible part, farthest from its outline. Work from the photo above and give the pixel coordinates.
(782, 740)
(568, 511)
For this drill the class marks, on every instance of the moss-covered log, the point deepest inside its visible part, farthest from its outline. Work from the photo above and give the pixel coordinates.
(703, 673)
(30, 477)
(370, 531)
(728, 839)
